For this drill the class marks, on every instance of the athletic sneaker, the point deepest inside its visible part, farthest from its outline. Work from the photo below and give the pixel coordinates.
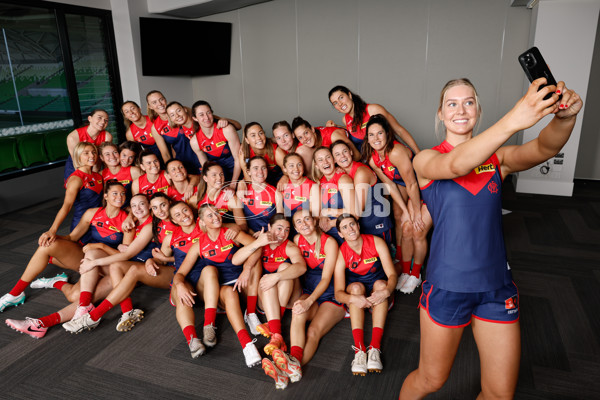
(264, 330)
(280, 378)
(48, 283)
(275, 343)
(359, 364)
(374, 363)
(402, 280)
(210, 336)
(411, 284)
(30, 326)
(129, 319)
(82, 310)
(253, 322)
(196, 347)
(251, 354)
(77, 325)
(288, 364)
(8, 300)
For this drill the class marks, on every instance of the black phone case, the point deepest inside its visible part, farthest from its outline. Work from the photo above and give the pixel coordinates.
(535, 67)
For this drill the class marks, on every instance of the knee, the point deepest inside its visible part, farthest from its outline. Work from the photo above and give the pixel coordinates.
(407, 230)
(209, 272)
(356, 288)
(432, 382)
(313, 333)
(379, 285)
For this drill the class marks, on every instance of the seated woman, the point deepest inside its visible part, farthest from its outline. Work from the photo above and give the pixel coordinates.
(105, 225)
(392, 162)
(139, 129)
(182, 187)
(258, 198)
(181, 128)
(337, 191)
(256, 143)
(285, 139)
(113, 170)
(364, 278)
(84, 191)
(300, 192)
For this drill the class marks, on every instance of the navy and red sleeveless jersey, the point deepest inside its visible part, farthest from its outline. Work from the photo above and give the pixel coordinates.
(146, 252)
(219, 202)
(219, 253)
(315, 262)
(357, 136)
(217, 149)
(149, 188)
(331, 197)
(181, 243)
(177, 139)
(123, 176)
(259, 207)
(143, 135)
(325, 132)
(467, 252)
(297, 197)
(273, 258)
(164, 228)
(107, 230)
(84, 136)
(89, 196)
(387, 167)
(363, 267)
(177, 196)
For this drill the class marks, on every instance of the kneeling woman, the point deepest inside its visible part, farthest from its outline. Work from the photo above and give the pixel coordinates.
(364, 268)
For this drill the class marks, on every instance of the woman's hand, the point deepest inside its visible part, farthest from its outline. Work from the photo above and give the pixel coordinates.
(86, 265)
(242, 280)
(360, 301)
(268, 281)
(302, 306)
(46, 239)
(185, 295)
(222, 123)
(378, 297)
(159, 255)
(570, 104)
(128, 224)
(532, 107)
(151, 267)
(231, 233)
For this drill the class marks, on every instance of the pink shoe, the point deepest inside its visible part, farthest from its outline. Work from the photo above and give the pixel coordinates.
(30, 326)
(82, 310)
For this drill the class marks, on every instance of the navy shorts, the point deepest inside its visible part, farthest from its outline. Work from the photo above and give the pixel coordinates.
(455, 309)
(194, 275)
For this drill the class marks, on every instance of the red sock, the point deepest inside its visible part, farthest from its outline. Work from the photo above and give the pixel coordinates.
(243, 337)
(376, 337)
(126, 305)
(50, 320)
(416, 270)
(189, 332)
(59, 284)
(275, 326)
(398, 252)
(102, 309)
(297, 352)
(406, 266)
(19, 288)
(85, 299)
(359, 339)
(251, 306)
(210, 315)
(281, 312)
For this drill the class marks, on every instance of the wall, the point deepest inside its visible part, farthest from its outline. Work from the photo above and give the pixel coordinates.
(287, 54)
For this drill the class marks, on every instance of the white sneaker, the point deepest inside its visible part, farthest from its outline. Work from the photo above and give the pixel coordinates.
(8, 300)
(374, 363)
(82, 310)
(411, 284)
(77, 325)
(402, 280)
(48, 283)
(251, 354)
(210, 336)
(359, 364)
(196, 347)
(129, 319)
(288, 364)
(253, 323)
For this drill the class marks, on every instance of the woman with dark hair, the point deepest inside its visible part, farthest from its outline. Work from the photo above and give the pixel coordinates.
(285, 139)
(139, 129)
(113, 170)
(256, 143)
(357, 113)
(259, 198)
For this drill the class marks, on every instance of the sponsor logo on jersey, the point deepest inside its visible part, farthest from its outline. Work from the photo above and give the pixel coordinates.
(370, 260)
(208, 148)
(163, 189)
(511, 303)
(195, 240)
(332, 191)
(485, 168)
(221, 144)
(266, 203)
(322, 256)
(299, 198)
(391, 168)
(113, 228)
(280, 259)
(287, 196)
(225, 248)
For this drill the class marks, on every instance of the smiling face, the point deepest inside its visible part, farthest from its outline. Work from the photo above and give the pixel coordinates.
(280, 230)
(324, 161)
(160, 207)
(182, 215)
(459, 110)
(214, 178)
(110, 156)
(258, 170)
(157, 103)
(255, 137)
(306, 135)
(99, 120)
(342, 102)
(304, 222)
(210, 218)
(150, 164)
(88, 156)
(131, 111)
(115, 196)
(284, 138)
(127, 157)
(204, 116)
(294, 168)
(176, 171)
(342, 155)
(349, 229)
(376, 137)
(140, 207)
(177, 114)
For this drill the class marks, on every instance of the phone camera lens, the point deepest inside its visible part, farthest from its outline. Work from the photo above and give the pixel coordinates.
(529, 61)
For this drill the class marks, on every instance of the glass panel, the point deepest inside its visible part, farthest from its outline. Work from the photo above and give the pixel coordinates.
(89, 52)
(33, 94)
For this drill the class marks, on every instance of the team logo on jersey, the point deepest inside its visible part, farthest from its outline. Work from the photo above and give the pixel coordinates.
(221, 144)
(265, 259)
(493, 187)
(225, 248)
(181, 243)
(99, 224)
(113, 237)
(287, 196)
(305, 254)
(373, 270)
(208, 148)
(354, 265)
(249, 202)
(370, 260)
(143, 138)
(211, 253)
(485, 168)
(511, 303)
(330, 191)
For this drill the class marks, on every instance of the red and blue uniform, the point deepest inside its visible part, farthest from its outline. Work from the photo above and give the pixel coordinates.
(181, 243)
(177, 196)
(467, 256)
(146, 252)
(296, 197)
(107, 230)
(315, 262)
(387, 167)
(217, 149)
(326, 132)
(220, 204)
(259, 207)
(365, 267)
(84, 136)
(123, 176)
(149, 188)
(357, 136)
(89, 196)
(219, 253)
(275, 173)
(331, 197)
(144, 136)
(375, 219)
(178, 140)
(164, 228)
(273, 258)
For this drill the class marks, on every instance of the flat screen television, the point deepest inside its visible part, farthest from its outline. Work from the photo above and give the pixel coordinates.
(181, 47)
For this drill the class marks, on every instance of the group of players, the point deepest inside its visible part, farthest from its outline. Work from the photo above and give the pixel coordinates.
(326, 221)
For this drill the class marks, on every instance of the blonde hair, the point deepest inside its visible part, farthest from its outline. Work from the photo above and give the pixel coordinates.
(316, 172)
(450, 84)
(78, 150)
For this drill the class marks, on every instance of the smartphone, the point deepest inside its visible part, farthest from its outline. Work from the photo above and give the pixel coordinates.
(535, 67)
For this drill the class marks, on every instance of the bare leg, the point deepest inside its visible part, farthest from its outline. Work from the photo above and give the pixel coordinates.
(420, 238)
(357, 314)
(380, 311)
(231, 300)
(184, 314)
(208, 286)
(298, 325)
(67, 252)
(137, 273)
(327, 316)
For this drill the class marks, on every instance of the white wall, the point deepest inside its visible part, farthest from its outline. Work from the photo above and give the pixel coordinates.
(287, 54)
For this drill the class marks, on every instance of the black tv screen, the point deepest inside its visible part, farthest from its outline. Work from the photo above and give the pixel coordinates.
(181, 47)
